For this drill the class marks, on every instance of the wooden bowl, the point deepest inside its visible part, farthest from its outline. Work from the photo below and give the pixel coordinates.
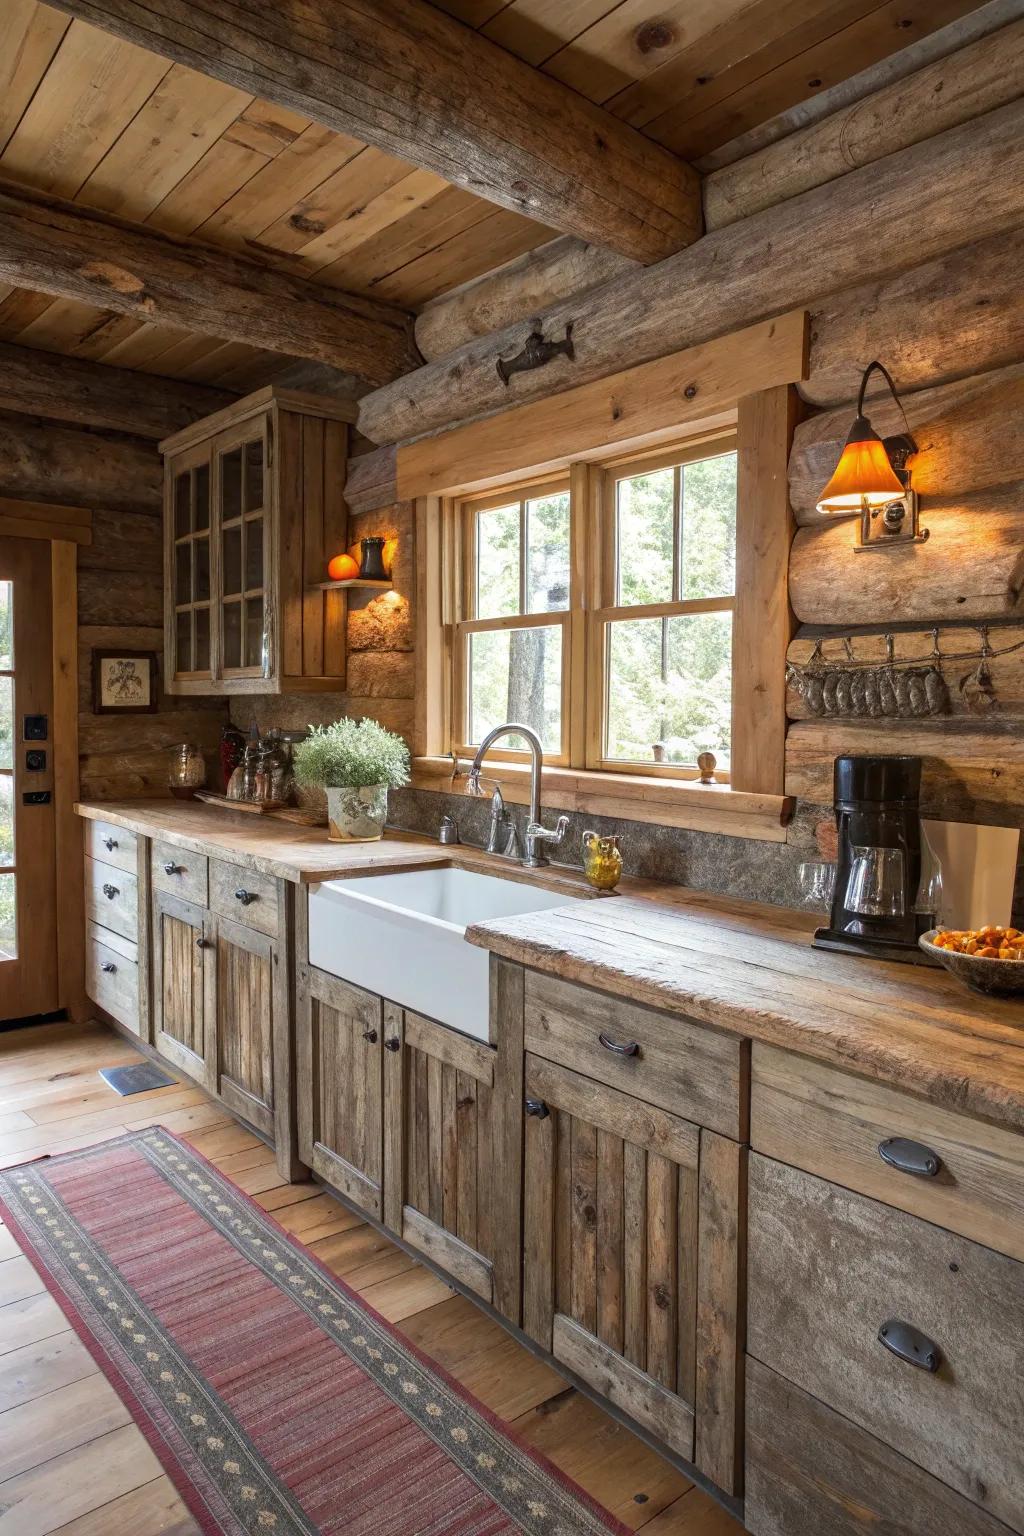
(993, 978)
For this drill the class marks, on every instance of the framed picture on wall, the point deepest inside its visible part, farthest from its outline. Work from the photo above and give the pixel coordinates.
(124, 682)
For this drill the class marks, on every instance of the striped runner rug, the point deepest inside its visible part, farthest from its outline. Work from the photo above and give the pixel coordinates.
(279, 1403)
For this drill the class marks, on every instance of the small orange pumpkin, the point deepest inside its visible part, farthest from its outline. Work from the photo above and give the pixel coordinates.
(342, 568)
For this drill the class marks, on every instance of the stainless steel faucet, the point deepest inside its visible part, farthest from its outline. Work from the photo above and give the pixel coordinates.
(536, 834)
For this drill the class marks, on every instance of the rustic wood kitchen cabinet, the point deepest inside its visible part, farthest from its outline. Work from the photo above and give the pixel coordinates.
(253, 510)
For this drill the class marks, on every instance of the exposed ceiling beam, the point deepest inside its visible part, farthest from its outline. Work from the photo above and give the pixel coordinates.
(61, 388)
(404, 76)
(60, 248)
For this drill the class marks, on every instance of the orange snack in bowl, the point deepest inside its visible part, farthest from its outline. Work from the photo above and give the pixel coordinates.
(342, 568)
(993, 942)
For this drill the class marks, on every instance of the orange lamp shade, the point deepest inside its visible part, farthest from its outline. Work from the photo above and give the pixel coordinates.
(342, 568)
(864, 476)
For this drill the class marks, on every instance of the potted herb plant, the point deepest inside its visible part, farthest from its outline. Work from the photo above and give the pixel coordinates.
(355, 763)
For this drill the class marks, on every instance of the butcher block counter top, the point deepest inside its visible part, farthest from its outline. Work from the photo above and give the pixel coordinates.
(741, 966)
(750, 969)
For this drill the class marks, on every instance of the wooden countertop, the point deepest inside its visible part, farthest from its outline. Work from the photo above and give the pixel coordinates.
(750, 969)
(739, 966)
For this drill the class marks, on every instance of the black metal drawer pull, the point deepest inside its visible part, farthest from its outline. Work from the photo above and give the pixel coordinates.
(110, 843)
(631, 1048)
(910, 1157)
(110, 891)
(109, 967)
(370, 1035)
(202, 943)
(537, 1107)
(170, 868)
(908, 1343)
(393, 1044)
(245, 897)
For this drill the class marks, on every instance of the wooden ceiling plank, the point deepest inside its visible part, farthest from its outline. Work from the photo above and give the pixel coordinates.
(224, 170)
(93, 88)
(146, 343)
(412, 237)
(32, 35)
(498, 238)
(62, 249)
(64, 325)
(403, 76)
(334, 200)
(110, 332)
(39, 384)
(748, 95)
(217, 359)
(278, 185)
(20, 309)
(185, 115)
(267, 126)
(536, 30)
(379, 213)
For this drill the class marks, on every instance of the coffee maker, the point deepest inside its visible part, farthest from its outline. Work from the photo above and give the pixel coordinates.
(877, 804)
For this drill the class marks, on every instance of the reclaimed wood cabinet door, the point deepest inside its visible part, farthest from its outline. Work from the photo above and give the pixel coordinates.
(340, 1087)
(182, 983)
(439, 1160)
(246, 987)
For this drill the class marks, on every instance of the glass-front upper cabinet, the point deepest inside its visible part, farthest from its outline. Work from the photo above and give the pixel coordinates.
(254, 509)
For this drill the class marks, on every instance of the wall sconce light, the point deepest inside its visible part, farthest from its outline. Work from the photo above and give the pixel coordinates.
(872, 478)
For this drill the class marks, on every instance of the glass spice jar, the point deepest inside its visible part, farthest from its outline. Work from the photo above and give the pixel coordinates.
(186, 770)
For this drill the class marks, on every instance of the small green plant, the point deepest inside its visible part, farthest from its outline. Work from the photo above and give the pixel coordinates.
(351, 754)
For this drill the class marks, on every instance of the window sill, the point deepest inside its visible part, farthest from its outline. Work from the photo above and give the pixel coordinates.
(629, 797)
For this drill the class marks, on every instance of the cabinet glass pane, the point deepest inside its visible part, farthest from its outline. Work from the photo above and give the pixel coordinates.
(202, 497)
(183, 573)
(201, 590)
(253, 553)
(202, 659)
(8, 917)
(6, 722)
(6, 626)
(183, 643)
(182, 504)
(254, 632)
(254, 476)
(6, 818)
(232, 559)
(231, 484)
(232, 635)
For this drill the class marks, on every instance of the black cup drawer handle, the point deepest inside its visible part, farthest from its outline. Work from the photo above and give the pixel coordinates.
(908, 1343)
(537, 1108)
(394, 1044)
(910, 1157)
(370, 1035)
(245, 897)
(631, 1048)
(170, 868)
(110, 891)
(110, 843)
(109, 967)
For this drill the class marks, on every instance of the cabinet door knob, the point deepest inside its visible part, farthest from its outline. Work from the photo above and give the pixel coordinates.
(538, 1108)
(170, 868)
(370, 1035)
(110, 843)
(245, 897)
(109, 967)
(908, 1343)
(393, 1044)
(631, 1047)
(910, 1157)
(202, 943)
(110, 891)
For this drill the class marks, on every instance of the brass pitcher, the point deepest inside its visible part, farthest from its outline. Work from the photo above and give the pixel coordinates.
(602, 861)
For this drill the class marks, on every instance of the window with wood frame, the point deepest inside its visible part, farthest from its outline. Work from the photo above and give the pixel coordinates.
(598, 609)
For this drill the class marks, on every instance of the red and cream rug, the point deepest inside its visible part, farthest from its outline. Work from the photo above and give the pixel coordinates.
(277, 1400)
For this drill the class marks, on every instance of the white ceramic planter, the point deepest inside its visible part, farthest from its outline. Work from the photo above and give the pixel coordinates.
(357, 815)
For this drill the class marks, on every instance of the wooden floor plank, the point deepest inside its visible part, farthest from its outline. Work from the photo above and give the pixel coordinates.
(36, 1369)
(155, 1509)
(695, 1514)
(18, 1279)
(39, 1502)
(48, 1426)
(27, 1322)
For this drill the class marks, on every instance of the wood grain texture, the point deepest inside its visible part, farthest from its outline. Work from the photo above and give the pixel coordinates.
(344, 1139)
(523, 141)
(810, 1470)
(57, 247)
(721, 1311)
(48, 463)
(827, 1268)
(245, 1023)
(925, 197)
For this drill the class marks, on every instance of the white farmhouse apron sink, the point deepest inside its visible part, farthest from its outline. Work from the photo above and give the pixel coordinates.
(403, 936)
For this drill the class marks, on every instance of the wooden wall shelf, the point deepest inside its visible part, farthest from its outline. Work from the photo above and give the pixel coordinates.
(356, 581)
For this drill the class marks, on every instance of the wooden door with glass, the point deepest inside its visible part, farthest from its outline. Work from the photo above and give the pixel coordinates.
(28, 900)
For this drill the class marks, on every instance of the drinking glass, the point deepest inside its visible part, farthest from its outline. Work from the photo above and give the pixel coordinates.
(876, 885)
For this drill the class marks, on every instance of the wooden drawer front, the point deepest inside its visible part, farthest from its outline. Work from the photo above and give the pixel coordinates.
(112, 898)
(179, 872)
(443, 1200)
(340, 1087)
(810, 1471)
(244, 896)
(682, 1067)
(828, 1268)
(245, 1024)
(610, 1245)
(112, 975)
(829, 1123)
(108, 844)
